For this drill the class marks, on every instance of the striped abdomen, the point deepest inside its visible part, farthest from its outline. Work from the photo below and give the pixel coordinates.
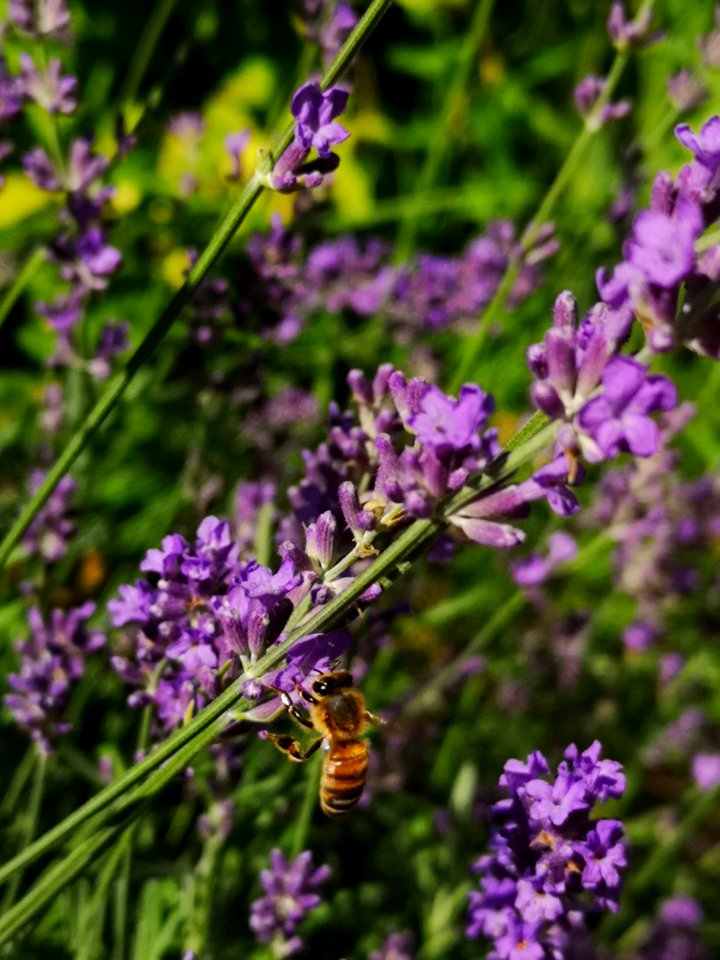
(343, 776)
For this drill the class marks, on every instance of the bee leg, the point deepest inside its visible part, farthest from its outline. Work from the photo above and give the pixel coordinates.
(300, 718)
(375, 721)
(308, 697)
(292, 708)
(293, 748)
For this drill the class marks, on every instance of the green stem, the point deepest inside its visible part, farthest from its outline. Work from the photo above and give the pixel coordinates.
(30, 823)
(118, 384)
(472, 347)
(202, 894)
(426, 698)
(440, 139)
(56, 878)
(175, 753)
(304, 818)
(23, 278)
(144, 50)
(124, 861)
(17, 784)
(121, 863)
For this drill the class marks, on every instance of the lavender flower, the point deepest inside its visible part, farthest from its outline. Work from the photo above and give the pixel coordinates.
(674, 935)
(706, 770)
(315, 112)
(49, 88)
(202, 617)
(328, 24)
(11, 93)
(41, 18)
(661, 265)
(586, 95)
(685, 90)
(661, 526)
(709, 45)
(235, 144)
(551, 867)
(618, 419)
(52, 661)
(631, 34)
(48, 534)
(536, 568)
(571, 364)
(398, 946)
(289, 284)
(114, 339)
(81, 250)
(337, 28)
(290, 893)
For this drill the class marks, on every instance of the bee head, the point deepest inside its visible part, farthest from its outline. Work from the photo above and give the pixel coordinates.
(329, 682)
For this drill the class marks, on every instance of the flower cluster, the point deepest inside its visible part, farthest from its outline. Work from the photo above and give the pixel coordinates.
(536, 568)
(588, 92)
(574, 362)
(408, 447)
(631, 34)
(328, 24)
(398, 946)
(662, 527)
(290, 893)
(666, 281)
(53, 659)
(674, 935)
(48, 534)
(207, 611)
(315, 113)
(43, 20)
(10, 107)
(551, 866)
(290, 283)
(200, 618)
(81, 252)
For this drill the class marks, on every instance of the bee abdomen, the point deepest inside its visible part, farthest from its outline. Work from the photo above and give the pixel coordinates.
(343, 778)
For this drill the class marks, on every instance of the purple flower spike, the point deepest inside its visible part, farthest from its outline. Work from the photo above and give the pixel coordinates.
(49, 533)
(49, 88)
(630, 34)
(315, 113)
(536, 568)
(705, 145)
(550, 866)
(398, 946)
(586, 95)
(235, 144)
(706, 770)
(52, 661)
(42, 18)
(290, 893)
(39, 168)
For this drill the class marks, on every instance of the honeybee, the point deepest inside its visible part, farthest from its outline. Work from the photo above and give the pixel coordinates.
(338, 713)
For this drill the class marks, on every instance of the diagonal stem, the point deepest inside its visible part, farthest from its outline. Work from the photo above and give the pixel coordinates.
(118, 384)
(178, 750)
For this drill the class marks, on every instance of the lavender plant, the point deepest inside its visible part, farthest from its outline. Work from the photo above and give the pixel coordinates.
(311, 448)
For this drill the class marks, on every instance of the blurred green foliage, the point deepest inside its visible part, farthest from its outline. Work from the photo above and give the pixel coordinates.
(403, 861)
